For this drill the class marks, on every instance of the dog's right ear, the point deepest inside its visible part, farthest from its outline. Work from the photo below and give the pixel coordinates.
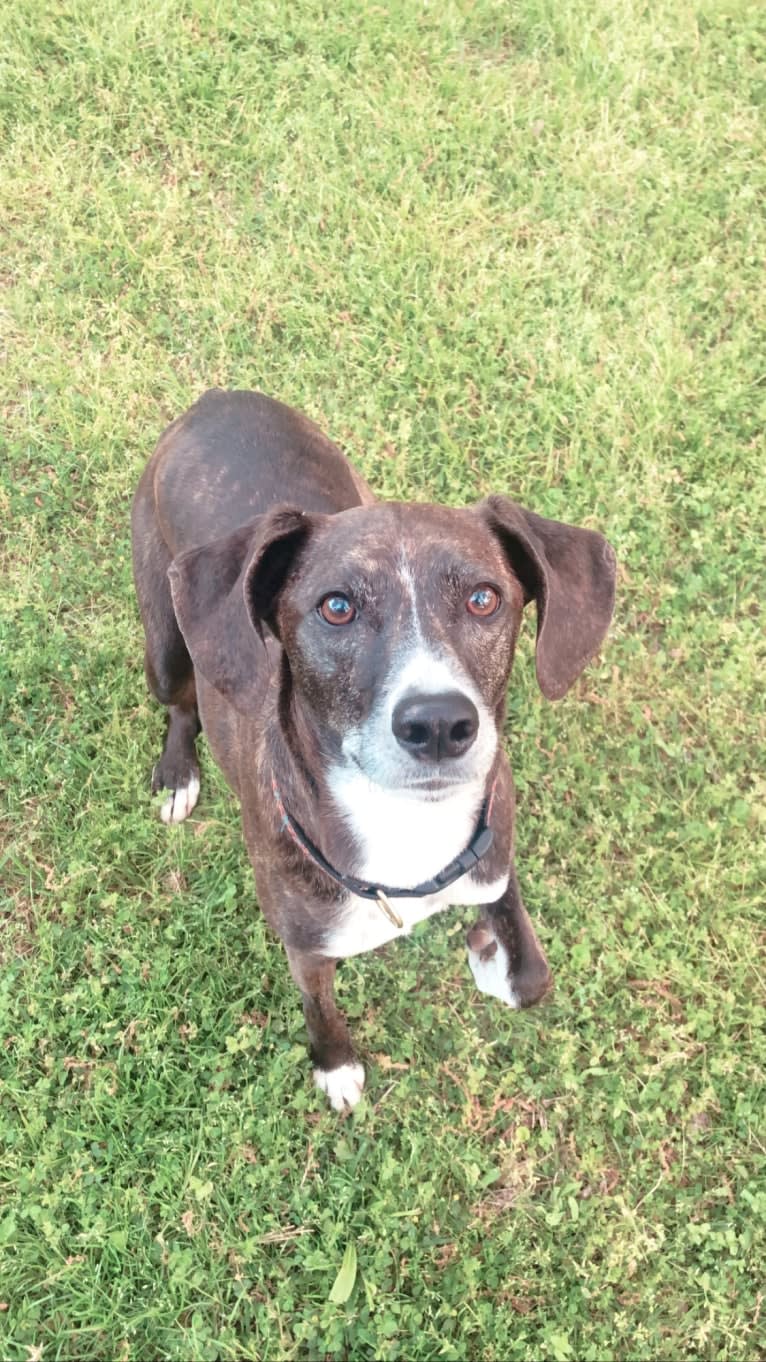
(226, 591)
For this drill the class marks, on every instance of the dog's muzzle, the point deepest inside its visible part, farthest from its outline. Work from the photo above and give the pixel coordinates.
(435, 728)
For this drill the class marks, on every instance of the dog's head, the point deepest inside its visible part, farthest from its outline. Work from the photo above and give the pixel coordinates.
(398, 624)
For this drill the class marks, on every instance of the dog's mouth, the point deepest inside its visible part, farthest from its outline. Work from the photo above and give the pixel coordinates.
(435, 785)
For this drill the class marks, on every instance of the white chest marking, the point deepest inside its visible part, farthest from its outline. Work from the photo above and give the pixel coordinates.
(404, 840)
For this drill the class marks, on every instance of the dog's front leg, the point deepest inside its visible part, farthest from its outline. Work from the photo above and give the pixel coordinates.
(506, 958)
(336, 1069)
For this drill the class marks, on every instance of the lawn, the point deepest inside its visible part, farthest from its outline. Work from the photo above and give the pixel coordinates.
(513, 246)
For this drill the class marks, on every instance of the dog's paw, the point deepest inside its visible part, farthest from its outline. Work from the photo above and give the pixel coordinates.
(343, 1085)
(180, 803)
(488, 960)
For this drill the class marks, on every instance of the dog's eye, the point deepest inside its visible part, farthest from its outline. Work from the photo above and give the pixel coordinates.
(336, 609)
(484, 601)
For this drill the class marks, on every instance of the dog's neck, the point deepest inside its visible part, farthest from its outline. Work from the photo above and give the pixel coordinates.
(403, 838)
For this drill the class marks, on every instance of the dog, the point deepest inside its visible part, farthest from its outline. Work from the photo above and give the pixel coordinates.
(348, 660)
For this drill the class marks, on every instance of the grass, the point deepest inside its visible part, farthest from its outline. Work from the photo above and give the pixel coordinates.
(488, 246)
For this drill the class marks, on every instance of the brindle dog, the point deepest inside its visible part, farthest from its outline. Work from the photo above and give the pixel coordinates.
(348, 661)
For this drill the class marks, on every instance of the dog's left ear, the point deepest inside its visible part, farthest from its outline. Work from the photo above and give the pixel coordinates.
(571, 575)
(226, 592)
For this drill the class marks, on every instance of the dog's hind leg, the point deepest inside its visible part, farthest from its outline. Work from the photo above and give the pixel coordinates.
(167, 664)
(178, 769)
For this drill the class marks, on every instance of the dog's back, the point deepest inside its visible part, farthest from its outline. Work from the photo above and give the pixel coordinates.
(234, 455)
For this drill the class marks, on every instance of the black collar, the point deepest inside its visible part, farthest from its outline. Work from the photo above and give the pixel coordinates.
(476, 850)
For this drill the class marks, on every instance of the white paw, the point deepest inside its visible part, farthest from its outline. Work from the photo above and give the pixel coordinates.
(343, 1085)
(180, 804)
(491, 975)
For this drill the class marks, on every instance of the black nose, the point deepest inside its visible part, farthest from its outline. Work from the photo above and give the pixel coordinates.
(434, 727)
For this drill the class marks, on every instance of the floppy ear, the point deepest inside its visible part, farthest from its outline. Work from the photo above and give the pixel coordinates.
(571, 575)
(223, 594)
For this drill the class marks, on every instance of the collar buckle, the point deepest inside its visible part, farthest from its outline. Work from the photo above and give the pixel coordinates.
(387, 907)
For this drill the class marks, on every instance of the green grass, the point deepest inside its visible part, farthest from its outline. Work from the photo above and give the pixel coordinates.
(511, 245)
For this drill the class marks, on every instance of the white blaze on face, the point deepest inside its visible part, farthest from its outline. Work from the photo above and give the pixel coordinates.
(373, 747)
(423, 672)
(409, 817)
(419, 668)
